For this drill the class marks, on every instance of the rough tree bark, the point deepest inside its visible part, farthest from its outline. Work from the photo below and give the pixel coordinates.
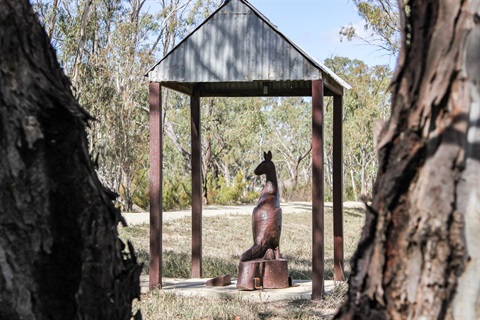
(60, 256)
(418, 257)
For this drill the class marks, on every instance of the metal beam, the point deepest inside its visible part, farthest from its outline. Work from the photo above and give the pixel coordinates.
(185, 88)
(196, 185)
(338, 274)
(317, 191)
(249, 89)
(332, 84)
(155, 100)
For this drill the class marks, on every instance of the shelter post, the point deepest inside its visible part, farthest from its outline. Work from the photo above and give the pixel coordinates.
(155, 100)
(196, 185)
(338, 188)
(317, 190)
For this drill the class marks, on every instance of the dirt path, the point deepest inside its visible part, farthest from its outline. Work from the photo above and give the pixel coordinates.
(210, 211)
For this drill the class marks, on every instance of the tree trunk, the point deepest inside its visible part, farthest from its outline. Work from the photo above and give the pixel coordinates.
(226, 173)
(60, 256)
(418, 255)
(207, 158)
(363, 189)
(354, 187)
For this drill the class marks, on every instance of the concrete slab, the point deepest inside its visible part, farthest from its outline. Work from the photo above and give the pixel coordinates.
(302, 290)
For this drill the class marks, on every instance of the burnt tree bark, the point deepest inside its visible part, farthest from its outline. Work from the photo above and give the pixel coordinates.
(418, 257)
(60, 256)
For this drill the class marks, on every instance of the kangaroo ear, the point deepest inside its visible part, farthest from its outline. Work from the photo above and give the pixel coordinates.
(265, 156)
(268, 155)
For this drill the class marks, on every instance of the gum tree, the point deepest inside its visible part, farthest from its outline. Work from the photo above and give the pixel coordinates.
(381, 25)
(418, 257)
(60, 256)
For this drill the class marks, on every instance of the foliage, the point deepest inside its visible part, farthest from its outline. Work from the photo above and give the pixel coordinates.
(364, 105)
(289, 126)
(381, 27)
(105, 47)
(224, 194)
(176, 193)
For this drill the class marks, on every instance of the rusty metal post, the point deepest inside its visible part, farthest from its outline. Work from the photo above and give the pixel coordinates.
(196, 186)
(338, 273)
(155, 100)
(317, 190)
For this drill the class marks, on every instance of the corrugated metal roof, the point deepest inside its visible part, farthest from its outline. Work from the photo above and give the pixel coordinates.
(313, 60)
(237, 43)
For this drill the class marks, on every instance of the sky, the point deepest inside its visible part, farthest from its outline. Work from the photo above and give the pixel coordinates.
(314, 26)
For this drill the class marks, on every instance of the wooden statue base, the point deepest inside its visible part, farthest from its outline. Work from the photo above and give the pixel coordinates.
(267, 274)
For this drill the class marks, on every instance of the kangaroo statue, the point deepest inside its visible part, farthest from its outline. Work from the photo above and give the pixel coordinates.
(266, 217)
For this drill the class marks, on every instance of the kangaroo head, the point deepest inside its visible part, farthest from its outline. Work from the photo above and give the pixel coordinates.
(266, 166)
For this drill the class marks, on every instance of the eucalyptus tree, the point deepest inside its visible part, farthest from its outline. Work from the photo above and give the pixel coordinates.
(366, 105)
(60, 255)
(418, 257)
(381, 24)
(231, 138)
(288, 129)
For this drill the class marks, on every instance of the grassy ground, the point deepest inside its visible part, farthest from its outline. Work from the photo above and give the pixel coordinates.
(224, 239)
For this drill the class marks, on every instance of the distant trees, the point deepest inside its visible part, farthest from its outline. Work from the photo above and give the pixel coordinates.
(288, 124)
(366, 105)
(107, 46)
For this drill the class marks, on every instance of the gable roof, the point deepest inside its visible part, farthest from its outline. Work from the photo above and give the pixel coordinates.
(237, 45)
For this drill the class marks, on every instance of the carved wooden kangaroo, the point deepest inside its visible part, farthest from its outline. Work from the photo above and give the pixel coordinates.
(266, 217)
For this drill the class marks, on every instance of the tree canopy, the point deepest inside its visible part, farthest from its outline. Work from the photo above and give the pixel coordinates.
(381, 26)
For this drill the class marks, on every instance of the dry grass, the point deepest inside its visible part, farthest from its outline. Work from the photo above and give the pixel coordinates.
(168, 305)
(224, 239)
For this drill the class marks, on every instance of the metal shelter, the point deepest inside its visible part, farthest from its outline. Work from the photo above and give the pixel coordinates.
(238, 52)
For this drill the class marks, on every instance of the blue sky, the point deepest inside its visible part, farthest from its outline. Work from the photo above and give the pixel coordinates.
(314, 26)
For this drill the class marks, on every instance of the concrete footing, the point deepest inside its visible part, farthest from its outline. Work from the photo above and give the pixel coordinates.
(301, 290)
